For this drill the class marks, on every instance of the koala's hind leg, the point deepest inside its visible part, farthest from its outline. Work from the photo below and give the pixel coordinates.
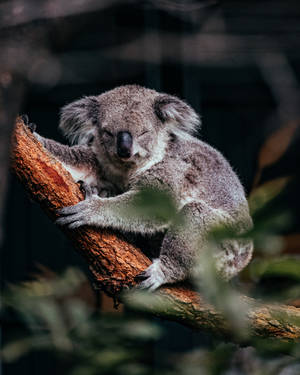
(181, 245)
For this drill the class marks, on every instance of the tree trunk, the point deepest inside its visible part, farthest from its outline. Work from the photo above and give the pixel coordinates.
(115, 263)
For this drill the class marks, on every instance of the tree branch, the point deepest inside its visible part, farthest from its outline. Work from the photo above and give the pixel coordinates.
(114, 262)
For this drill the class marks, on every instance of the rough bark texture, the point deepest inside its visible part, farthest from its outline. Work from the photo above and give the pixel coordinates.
(114, 262)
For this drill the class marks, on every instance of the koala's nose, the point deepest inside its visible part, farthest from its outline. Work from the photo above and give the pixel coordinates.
(124, 144)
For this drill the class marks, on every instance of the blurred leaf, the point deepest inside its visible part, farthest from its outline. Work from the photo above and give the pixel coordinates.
(78, 313)
(276, 145)
(263, 194)
(207, 362)
(56, 319)
(219, 292)
(267, 346)
(142, 330)
(154, 204)
(138, 299)
(284, 266)
(268, 244)
(109, 357)
(135, 369)
(268, 223)
(15, 349)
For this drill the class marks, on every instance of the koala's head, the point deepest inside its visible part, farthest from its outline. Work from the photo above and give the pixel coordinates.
(129, 124)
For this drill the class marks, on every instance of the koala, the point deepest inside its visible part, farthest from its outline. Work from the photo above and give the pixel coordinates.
(131, 137)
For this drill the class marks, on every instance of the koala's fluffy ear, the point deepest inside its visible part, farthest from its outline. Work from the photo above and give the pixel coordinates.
(78, 120)
(175, 111)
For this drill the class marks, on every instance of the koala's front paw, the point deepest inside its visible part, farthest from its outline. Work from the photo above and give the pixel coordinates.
(30, 125)
(153, 276)
(87, 189)
(82, 213)
(105, 193)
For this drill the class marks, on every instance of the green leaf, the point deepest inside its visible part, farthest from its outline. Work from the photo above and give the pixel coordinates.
(284, 266)
(155, 204)
(266, 192)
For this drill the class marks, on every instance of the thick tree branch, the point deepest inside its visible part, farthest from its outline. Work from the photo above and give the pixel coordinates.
(114, 262)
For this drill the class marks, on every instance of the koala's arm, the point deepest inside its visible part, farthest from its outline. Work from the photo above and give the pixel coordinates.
(115, 212)
(76, 159)
(79, 160)
(75, 156)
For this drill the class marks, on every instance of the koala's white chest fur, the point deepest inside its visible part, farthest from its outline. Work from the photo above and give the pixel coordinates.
(82, 174)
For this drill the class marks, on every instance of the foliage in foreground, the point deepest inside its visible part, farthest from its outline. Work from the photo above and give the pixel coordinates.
(55, 318)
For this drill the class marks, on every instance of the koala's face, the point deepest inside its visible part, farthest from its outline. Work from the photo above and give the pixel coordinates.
(128, 144)
(130, 124)
(129, 130)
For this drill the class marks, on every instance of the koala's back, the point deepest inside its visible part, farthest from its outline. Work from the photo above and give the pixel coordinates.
(195, 172)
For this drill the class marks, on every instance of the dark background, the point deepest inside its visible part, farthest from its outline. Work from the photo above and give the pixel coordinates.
(235, 62)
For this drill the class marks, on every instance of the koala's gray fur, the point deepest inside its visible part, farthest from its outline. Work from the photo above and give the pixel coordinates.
(163, 154)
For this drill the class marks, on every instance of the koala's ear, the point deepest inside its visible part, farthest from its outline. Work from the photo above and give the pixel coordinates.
(171, 109)
(78, 120)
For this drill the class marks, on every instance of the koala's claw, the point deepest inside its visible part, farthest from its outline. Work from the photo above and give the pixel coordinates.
(153, 276)
(72, 221)
(30, 125)
(80, 214)
(25, 119)
(141, 276)
(87, 189)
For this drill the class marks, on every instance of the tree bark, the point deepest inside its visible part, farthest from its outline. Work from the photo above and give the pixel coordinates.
(115, 263)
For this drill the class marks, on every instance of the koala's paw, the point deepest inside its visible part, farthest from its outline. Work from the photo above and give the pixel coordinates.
(87, 189)
(82, 213)
(25, 118)
(153, 277)
(30, 125)
(105, 193)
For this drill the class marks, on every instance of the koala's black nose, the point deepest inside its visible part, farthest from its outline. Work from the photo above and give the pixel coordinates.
(124, 144)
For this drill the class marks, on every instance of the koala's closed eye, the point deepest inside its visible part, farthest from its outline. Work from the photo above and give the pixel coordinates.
(107, 133)
(143, 133)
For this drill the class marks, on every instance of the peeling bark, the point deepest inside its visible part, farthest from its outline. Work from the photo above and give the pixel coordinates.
(115, 263)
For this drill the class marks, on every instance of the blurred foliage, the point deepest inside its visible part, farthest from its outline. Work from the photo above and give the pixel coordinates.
(55, 318)
(153, 204)
(282, 266)
(263, 194)
(220, 293)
